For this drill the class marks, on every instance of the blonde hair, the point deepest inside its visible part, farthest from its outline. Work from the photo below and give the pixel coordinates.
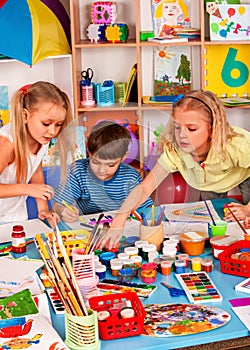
(207, 103)
(181, 3)
(30, 97)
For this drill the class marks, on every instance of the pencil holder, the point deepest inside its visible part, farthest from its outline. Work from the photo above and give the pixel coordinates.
(120, 88)
(87, 96)
(104, 93)
(82, 331)
(152, 234)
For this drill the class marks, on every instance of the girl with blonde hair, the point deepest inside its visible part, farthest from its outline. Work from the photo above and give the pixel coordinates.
(40, 112)
(212, 156)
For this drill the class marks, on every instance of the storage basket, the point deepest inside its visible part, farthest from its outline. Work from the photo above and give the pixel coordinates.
(117, 327)
(235, 266)
(120, 88)
(104, 95)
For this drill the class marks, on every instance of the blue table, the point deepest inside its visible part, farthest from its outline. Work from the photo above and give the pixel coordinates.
(225, 284)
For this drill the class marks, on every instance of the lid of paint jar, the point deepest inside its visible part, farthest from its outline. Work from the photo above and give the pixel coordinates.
(140, 244)
(131, 250)
(100, 268)
(223, 240)
(149, 248)
(123, 256)
(132, 240)
(192, 236)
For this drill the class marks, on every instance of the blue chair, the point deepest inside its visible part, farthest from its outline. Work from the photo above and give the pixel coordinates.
(52, 178)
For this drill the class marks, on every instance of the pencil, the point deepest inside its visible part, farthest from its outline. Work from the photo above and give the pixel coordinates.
(73, 211)
(153, 215)
(209, 212)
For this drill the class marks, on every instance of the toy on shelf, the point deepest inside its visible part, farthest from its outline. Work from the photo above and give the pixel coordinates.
(104, 26)
(96, 32)
(117, 32)
(104, 12)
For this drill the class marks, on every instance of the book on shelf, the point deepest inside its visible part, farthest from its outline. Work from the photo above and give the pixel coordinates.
(172, 72)
(234, 101)
(167, 39)
(230, 76)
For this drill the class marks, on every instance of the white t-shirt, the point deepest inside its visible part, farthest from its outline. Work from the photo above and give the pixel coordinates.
(14, 208)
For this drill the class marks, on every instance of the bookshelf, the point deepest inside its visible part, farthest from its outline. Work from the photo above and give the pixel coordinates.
(114, 61)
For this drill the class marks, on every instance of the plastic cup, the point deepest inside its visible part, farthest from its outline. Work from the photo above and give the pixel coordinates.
(219, 229)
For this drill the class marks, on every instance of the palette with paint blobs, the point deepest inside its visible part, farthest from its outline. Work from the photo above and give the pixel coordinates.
(199, 287)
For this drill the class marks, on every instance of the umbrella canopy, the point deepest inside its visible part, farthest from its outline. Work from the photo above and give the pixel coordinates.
(32, 30)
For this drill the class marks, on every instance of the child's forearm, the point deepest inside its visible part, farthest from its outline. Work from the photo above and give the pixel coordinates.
(13, 190)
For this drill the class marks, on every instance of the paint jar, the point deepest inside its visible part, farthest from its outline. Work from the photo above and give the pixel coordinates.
(180, 266)
(152, 234)
(125, 275)
(136, 259)
(146, 249)
(168, 258)
(100, 271)
(148, 272)
(103, 315)
(139, 245)
(115, 267)
(207, 265)
(166, 267)
(106, 257)
(220, 243)
(171, 243)
(132, 266)
(196, 264)
(152, 256)
(122, 256)
(81, 332)
(219, 229)
(167, 251)
(193, 243)
(131, 251)
(184, 257)
(127, 312)
(18, 240)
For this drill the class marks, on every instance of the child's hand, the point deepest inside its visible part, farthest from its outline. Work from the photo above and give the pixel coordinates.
(50, 215)
(69, 215)
(247, 222)
(110, 239)
(41, 191)
(240, 211)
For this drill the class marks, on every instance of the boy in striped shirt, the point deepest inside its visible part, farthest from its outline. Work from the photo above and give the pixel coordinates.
(103, 181)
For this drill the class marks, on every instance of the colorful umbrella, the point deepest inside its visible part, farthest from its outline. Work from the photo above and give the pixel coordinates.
(32, 30)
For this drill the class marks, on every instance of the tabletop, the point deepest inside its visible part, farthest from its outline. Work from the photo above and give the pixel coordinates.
(225, 284)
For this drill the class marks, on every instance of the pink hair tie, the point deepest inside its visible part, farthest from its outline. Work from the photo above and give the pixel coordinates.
(24, 89)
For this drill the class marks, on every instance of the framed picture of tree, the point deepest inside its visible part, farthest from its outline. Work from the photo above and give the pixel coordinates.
(172, 70)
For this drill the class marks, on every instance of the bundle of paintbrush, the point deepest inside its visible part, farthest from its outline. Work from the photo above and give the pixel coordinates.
(61, 274)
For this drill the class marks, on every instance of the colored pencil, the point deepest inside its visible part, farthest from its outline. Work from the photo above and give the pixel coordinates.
(153, 215)
(73, 211)
(144, 219)
(160, 217)
(136, 215)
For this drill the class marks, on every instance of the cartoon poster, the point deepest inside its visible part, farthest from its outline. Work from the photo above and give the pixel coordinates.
(172, 70)
(229, 22)
(4, 106)
(170, 14)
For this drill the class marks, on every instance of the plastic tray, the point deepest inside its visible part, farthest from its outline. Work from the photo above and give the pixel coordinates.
(235, 266)
(115, 327)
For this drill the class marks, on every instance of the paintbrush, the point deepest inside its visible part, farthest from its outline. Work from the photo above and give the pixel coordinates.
(243, 229)
(70, 269)
(93, 234)
(209, 212)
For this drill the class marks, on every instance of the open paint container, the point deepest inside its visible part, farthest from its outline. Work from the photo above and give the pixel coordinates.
(192, 243)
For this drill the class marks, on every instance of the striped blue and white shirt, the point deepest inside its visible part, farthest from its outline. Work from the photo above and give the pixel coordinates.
(92, 195)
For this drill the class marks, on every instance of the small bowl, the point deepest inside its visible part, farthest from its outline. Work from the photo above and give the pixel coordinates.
(193, 243)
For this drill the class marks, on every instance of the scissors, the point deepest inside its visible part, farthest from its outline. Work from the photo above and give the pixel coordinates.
(174, 292)
(87, 75)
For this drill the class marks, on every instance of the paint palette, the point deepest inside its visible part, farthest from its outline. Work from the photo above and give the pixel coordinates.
(55, 301)
(199, 287)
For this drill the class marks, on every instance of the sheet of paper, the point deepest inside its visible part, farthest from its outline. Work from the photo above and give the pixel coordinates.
(17, 270)
(31, 228)
(243, 312)
(190, 212)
